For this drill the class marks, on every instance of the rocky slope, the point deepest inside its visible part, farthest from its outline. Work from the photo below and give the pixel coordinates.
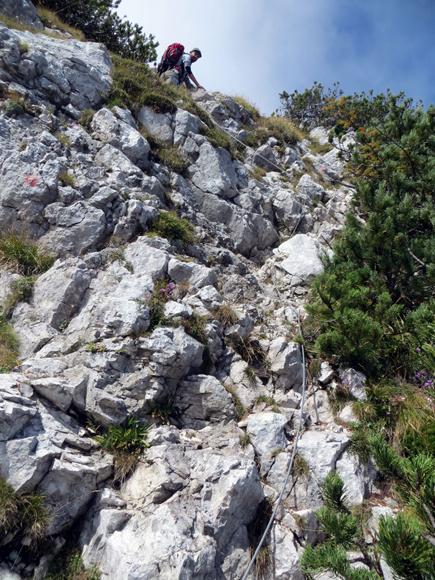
(219, 380)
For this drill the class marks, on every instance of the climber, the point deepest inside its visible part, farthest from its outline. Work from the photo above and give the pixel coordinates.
(181, 72)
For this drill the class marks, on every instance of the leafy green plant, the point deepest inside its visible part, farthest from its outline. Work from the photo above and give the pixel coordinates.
(23, 255)
(169, 225)
(126, 443)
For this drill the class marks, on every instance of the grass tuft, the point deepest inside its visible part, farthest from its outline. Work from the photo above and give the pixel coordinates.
(169, 225)
(22, 255)
(8, 346)
(126, 443)
(22, 513)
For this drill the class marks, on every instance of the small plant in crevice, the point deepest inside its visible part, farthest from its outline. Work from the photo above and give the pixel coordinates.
(269, 401)
(300, 467)
(66, 178)
(162, 292)
(69, 565)
(162, 410)
(251, 375)
(20, 291)
(225, 314)
(22, 513)
(238, 405)
(169, 225)
(21, 254)
(244, 440)
(95, 347)
(9, 346)
(256, 530)
(86, 117)
(126, 443)
(249, 349)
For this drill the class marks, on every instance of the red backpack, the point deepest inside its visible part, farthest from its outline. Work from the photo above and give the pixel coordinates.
(170, 57)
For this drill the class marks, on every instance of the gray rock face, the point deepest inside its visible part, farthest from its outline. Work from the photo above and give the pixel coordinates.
(61, 71)
(158, 125)
(201, 400)
(286, 362)
(110, 129)
(214, 172)
(209, 500)
(301, 258)
(22, 10)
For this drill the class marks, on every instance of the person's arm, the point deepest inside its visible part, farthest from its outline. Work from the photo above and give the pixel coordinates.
(195, 82)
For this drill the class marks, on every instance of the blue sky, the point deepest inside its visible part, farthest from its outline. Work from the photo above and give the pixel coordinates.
(258, 48)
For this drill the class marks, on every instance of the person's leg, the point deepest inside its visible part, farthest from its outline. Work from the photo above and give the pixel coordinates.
(190, 86)
(170, 76)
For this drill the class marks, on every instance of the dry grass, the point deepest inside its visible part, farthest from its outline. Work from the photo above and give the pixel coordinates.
(252, 109)
(225, 314)
(50, 19)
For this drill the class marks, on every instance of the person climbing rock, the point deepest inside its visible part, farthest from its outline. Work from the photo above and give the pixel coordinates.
(175, 67)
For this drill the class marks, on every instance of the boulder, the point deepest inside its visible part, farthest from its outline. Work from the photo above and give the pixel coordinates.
(301, 261)
(21, 10)
(201, 400)
(110, 129)
(158, 125)
(65, 72)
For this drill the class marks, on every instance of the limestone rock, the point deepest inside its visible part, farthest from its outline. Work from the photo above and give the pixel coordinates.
(22, 10)
(301, 256)
(109, 129)
(202, 399)
(61, 71)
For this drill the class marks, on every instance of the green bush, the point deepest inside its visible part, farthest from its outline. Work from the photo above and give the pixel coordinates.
(169, 225)
(372, 305)
(24, 256)
(405, 549)
(100, 21)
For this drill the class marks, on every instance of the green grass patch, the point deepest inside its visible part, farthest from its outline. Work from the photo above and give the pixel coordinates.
(20, 291)
(19, 253)
(86, 117)
(9, 346)
(169, 225)
(252, 109)
(22, 513)
(281, 128)
(66, 178)
(173, 158)
(126, 443)
(70, 566)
